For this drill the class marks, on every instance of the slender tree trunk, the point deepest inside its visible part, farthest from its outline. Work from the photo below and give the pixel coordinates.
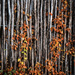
(45, 38)
(66, 61)
(3, 52)
(9, 31)
(35, 27)
(55, 27)
(41, 30)
(70, 26)
(74, 36)
(0, 33)
(32, 52)
(17, 28)
(12, 30)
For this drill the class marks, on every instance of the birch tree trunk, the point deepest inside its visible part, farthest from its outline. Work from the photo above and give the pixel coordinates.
(70, 26)
(9, 31)
(3, 52)
(12, 31)
(66, 61)
(74, 35)
(55, 27)
(0, 33)
(41, 22)
(41, 31)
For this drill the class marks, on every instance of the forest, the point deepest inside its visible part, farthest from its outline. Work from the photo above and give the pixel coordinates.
(37, 37)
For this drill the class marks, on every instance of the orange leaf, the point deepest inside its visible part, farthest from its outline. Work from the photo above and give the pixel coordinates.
(6, 28)
(56, 65)
(30, 17)
(57, 8)
(68, 13)
(66, 44)
(68, 29)
(61, 32)
(50, 43)
(9, 29)
(0, 61)
(65, 16)
(47, 14)
(50, 13)
(12, 38)
(62, 10)
(59, 40)
(51, 29)
(20, 28)
(23, 12)
(17, 35)
(24, 67)
(20, 74)
(62, 38)
(62, 0)
(17, 38)
(64, 25)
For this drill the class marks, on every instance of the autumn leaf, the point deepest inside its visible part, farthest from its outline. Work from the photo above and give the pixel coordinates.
(0, 61)
(67, 44)
(19, 59)
(13, 38)
(59, 40)
(20, 28)
(24, 67)
(9, 29)
(17, 35)
(65, 2)
(22, 63)
(61, 32)
(24, 12)
(65, 16)
(68, 29)
(6, 28)
(27, 14)
(15, 11)
(25, 58)
(50, 13)
(57, 8)
(59, 45)
(47, 14)
(62, 10)
(25, 54)
(51, 29)
(30, 17)
(64, 25)
(30, 48)
(20, 74)
(62, 38)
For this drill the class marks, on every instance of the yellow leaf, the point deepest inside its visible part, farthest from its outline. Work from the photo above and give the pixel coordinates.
(28, 19)
(59, 45)
(22, 63)
(20, 74)
(19, 59)
(32, 32)
(22, 38)
(65, 2)
(15, 11)
(64, 49)
(30, 48)
(25, 41)
(25, 58)
(27, 14)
